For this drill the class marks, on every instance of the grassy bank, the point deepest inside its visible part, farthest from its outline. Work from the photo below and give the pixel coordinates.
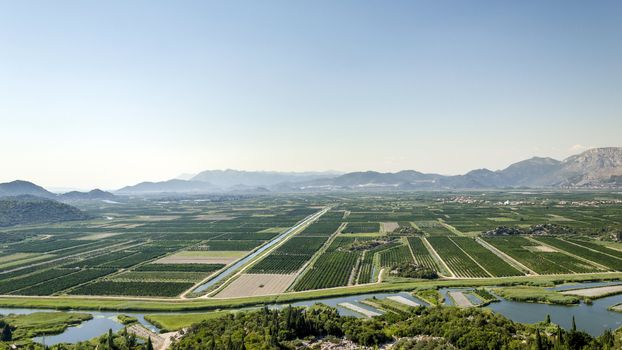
(536, 295)
(430, 296)
(129, 304)
(40, 323)
(174, 322)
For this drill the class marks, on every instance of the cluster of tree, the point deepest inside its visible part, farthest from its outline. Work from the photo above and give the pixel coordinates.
(573, 339)
(31, 210)
(406, 231)
(541, 229)
(7, 332)
(441, 327)
(262, 329)
(412, 270)
(359, 245)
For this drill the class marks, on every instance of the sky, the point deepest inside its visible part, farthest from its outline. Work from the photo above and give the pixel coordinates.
(111, 93)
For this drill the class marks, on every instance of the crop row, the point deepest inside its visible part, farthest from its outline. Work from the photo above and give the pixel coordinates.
(433, 228)
(367, 268)
(591, 255)
(154, 289)
(362, 227)
(394, 256)
(321, 228)
(47, 245)
(65, 282)
(487, 259)
(332, 269)
(421, 253)
(290, 256)
(537, 258)
(180, 267)
(159, 276)
(597, 247)
(9, 285)
(280, 264)
(141, 256)
(228, 245)
(457, 261)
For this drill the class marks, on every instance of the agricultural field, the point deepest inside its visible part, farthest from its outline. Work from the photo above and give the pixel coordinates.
(485, 258)
(362, 227)
(421, 254)
(248, 285)
(209, 257)
(461, 264)
(296, 251)
(140, 248)
(540, 258)
(394, 256)
(333, 269)
(606, 260)
(433, 228)
(169, 247)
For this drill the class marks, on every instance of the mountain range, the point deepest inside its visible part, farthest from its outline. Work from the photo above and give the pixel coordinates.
(594, 168)
(21, 188)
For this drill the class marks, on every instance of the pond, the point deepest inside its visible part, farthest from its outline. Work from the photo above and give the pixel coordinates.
(98, 325)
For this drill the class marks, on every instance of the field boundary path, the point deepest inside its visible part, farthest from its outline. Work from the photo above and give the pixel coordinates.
(437, 257)
(454, 230)
(508, 259)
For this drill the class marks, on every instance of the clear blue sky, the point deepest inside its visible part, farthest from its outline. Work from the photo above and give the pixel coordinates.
(109, 93)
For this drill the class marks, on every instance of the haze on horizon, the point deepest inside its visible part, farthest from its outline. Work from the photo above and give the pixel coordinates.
(106, 94)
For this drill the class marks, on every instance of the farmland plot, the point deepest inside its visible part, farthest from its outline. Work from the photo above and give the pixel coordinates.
(394, 256)
(591, 255)
(389, 226)
(597, 247)
(366, 268)
(362, 227)
(492, 263)
(155, 289)
(332, 269)
(70, 279)
(457, 261)
(536, 258)
(296, 251)
(421, 254)
(248, 285)
(228, 245)
(433, 228)
(202, 257)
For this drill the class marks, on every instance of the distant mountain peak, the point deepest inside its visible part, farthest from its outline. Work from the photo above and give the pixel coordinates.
(21, 187)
